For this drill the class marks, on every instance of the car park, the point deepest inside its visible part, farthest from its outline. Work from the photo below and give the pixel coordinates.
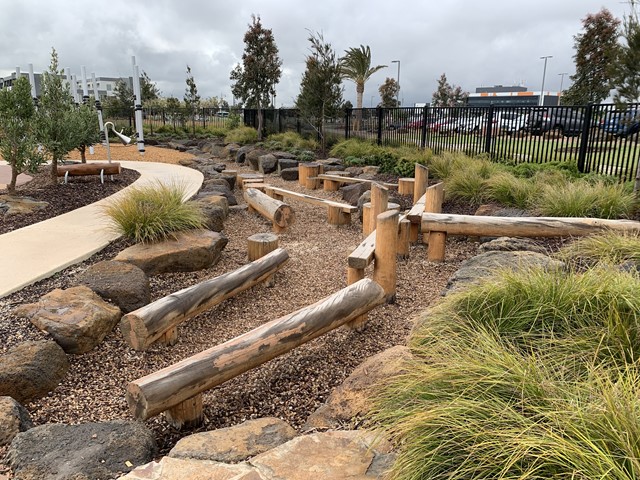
(566, 121)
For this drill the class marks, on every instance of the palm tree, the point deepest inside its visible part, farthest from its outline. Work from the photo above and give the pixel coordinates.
(356, 66)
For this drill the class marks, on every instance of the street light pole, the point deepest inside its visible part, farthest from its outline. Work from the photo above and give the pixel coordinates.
(544, 73)
(398, 95)
(561, 82)
(371, 104)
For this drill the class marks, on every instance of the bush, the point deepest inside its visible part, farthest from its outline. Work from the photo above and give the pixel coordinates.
(510, 190)
(242, 135)
(606, 247)
(581, 199)
(154, 212)
(532, 375)
(288, 141)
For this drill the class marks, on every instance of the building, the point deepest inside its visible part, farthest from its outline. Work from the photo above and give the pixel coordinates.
(510, 96)
(106, 85)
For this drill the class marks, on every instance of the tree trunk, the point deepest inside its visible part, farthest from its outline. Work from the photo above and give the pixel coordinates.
(260, 123)
(11, 188)
(53, 173)
(83, 153)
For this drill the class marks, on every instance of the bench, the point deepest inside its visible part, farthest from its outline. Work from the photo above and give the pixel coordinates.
(338, 213)
(83, 169)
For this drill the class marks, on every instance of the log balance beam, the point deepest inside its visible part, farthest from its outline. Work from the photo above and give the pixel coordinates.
(177, 389)
(441, 225)
(158, 321)
(337, 213)
(83, 169)
(335, 181)
(280, 214)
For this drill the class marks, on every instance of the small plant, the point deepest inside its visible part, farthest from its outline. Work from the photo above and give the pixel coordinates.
(242, 135)
(467, 184)
(606, 247)
(290, 140)
(510, 190)
(306, 156)
(154, 212)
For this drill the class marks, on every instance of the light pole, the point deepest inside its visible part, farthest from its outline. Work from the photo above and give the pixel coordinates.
(398, 96)
(544, 73)
(371, 104)
(561, 82)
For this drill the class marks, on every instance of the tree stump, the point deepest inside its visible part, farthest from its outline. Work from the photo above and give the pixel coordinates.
(405, 186)
(258, 246)
(307, 173)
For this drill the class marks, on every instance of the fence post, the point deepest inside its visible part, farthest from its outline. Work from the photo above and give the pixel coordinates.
(584, 139)
(380, 115)
(347, 123)
(423, 135)
(489, 131)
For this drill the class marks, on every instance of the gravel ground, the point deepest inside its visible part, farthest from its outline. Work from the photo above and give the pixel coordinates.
(289, 387)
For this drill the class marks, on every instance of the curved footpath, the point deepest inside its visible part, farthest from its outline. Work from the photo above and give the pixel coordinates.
(42, 249)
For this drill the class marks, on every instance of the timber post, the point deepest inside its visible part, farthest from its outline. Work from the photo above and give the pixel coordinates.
(406, 186)
(258, 246)
(421, 181)
(385, 253)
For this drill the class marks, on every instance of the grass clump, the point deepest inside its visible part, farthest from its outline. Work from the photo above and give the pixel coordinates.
(288, 141)
(242, 135)
(154, 212)
(512, 191)
(533, 375)
(468, 180)
(607, 247)
(585, 199)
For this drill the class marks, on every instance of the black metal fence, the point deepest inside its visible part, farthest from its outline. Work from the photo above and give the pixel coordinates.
(599, 138)
(172, 120)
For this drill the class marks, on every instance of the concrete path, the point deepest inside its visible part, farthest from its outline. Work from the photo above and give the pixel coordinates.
(42, 249)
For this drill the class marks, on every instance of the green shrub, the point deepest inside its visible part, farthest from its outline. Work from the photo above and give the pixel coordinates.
(354, 147)
(242, 135)
(531, 375)
(606, 247)
(154, 212)
(290, 140)
(469, 183)
(510, 190)
(581, 199)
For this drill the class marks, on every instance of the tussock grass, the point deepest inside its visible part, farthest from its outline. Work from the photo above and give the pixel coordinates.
(531, 376)
(289, 141)
(583, 199)
(154, 212)
(512, 191)
(468, 180)
(606, 247)
(242, 135)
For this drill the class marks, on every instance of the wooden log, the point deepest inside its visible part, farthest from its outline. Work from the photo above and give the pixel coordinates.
(433, 199)
(363, 255)
(323, 202)
(404, 243)
(436, 246)
(186, 414)
(336, 216)
(257, 185)
(93, 168)
(308, 175)
(341, 180)
(354, 275)
(406, 186)
(142, 327)
(281, 214)
(258, 246)
(379, 204)
(159, 391)
(487, 226)
(384, 267)
(331, 186)
(421, 181)
(248, 177)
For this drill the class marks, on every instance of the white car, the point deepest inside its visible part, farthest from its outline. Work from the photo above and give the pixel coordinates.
(510, 122)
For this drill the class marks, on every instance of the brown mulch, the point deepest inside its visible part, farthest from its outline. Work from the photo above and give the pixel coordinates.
(291, 386)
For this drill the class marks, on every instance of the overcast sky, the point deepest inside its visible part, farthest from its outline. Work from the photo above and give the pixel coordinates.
(476, 43)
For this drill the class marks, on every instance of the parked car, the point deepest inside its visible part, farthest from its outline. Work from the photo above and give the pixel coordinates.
(621, 123)
(222, 114)
(399, 123)
(510, 122)
(564, 120)
(472, 124)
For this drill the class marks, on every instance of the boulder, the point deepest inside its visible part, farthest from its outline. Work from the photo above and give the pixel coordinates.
(209, 170)
(284, 163)
(352, 399)
(87, 451)
(352, 192)
(175, 145)
(508, 244)
(185, 162)
(187, 252)
(231, 150)
(354, 171)
(215, 214)
(13, 205)
(169, 468)
(241, 154)
(370, 170)
(123, 284)
(214, 149)
(284, 155)
(215, 201)
(220, 190)
(14, 419)
(364, 198)
(235, 444)
(267, 164)
(217, 181)
(76, 318)
(290, 174)
(252, 158)
(30, 370)
(338, 454)
(500, 211)
(230, 178)
(484, 265)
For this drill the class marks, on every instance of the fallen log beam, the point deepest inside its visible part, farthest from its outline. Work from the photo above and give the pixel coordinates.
(281, 214)
(167, 389)
(150, 323)
(93, 168)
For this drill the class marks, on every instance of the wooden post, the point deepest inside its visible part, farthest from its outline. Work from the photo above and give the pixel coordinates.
(258, 246)
(366, 218)
(337, 216)
(434, 196)
(147, 324)
(331, 185)
(281, 214)
(404, 230)
(421, 181)
(406, 186)
(355, 275)
(436, 247)
(187, 414)
(150, 395)
(307, 173)
(385, 256)
(379, 204)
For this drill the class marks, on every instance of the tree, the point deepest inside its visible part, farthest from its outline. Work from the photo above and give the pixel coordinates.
(17, 141)
(389, 93)
(256, 78)
(596, 51)
(191, 97)
(148, 89)
(86, 128)
(356, 66)
(627, 67)
(56, 120)
(447, 95)
(320, 91)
